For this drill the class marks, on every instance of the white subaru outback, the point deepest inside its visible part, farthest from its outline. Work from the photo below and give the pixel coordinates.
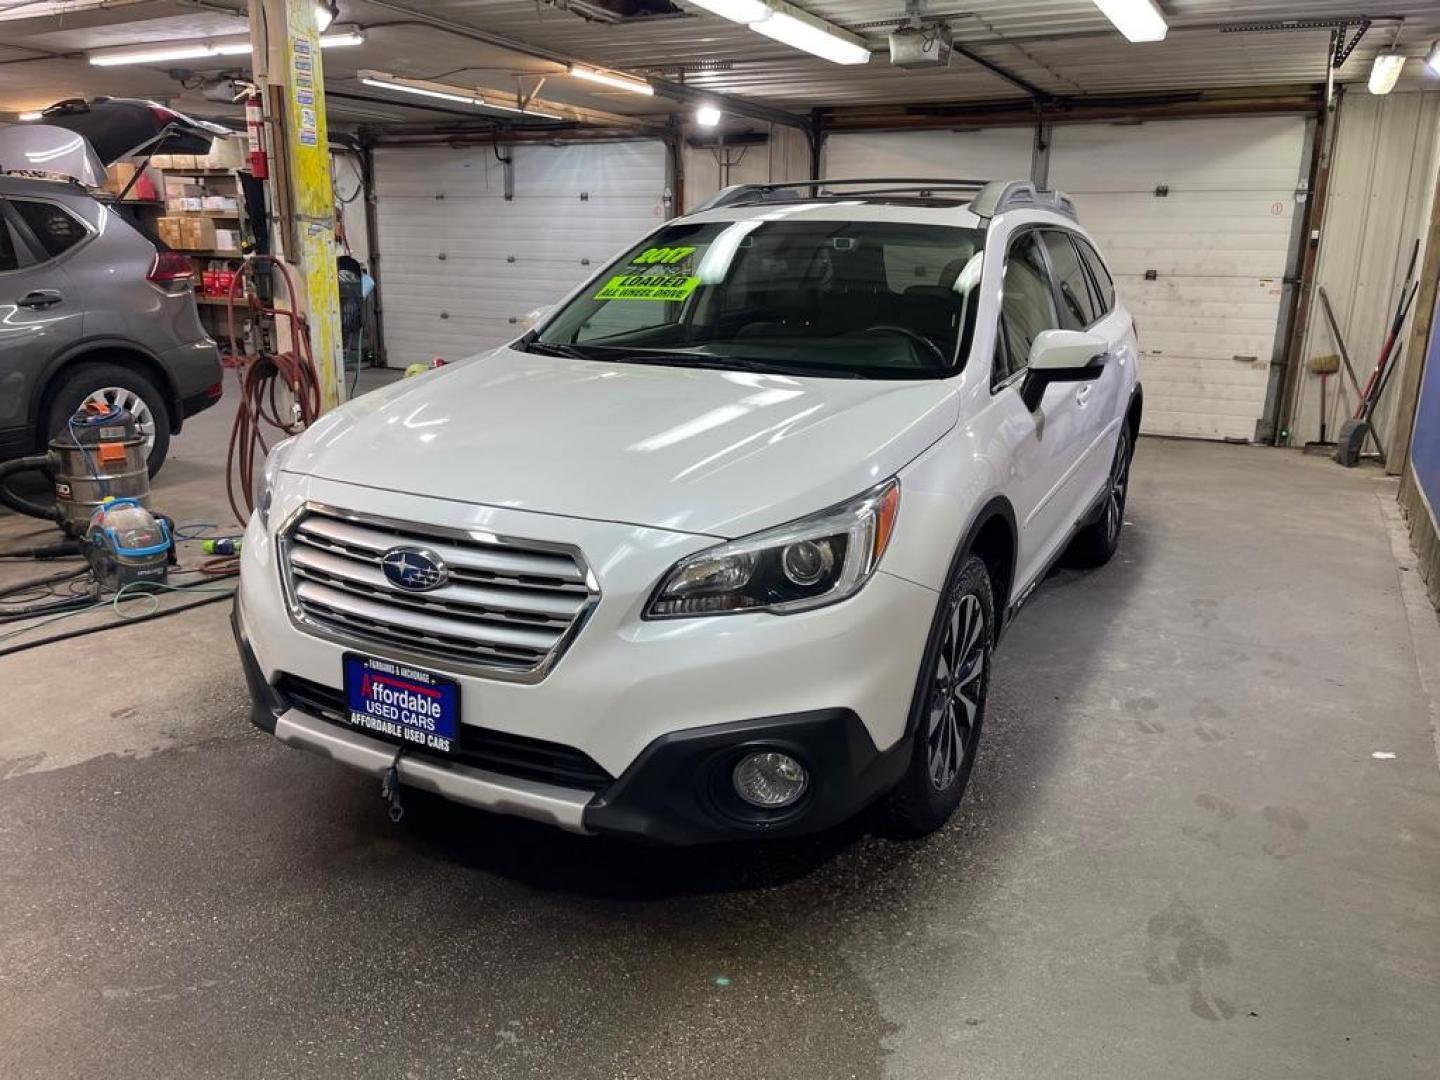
(723, 546)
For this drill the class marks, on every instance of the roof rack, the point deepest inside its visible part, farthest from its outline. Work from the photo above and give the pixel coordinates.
(792, 191)
(1001, 195)
(990, 197)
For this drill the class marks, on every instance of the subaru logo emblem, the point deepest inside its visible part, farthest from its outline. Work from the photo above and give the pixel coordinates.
(414, 569)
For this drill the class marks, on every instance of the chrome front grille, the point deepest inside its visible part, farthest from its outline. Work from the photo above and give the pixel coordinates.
(509, 608)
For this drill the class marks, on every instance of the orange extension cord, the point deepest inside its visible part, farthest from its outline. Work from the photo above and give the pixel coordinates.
(261, 378)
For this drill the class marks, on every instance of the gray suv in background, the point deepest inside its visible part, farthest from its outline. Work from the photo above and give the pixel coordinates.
(90, 307)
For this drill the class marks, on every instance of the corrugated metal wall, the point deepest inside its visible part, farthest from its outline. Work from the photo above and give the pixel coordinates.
(1382, 173)
(461, 265)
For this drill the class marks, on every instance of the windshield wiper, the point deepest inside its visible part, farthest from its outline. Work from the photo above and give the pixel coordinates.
(551, 348)
(731, 363)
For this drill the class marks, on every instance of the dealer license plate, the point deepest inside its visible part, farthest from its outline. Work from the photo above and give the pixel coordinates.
(402, 702)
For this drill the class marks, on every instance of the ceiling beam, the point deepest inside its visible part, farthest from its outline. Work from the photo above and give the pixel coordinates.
(672, 90)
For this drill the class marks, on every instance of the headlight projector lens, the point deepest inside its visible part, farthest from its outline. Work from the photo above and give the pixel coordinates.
(770, 780)
(807, 562)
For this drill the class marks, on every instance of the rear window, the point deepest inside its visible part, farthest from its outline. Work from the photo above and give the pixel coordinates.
(56, 228)
(8, 259)
(1077, 307)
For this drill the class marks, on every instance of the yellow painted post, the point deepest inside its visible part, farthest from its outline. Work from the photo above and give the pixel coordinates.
(291, 73)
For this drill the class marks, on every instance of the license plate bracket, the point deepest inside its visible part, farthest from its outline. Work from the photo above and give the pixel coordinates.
(402, 703)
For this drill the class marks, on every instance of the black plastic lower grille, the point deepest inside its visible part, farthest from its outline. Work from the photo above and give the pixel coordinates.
(493, 751)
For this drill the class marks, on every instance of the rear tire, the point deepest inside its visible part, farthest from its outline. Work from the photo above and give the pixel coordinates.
(115, 385)
(1096, 544)
(949, 704)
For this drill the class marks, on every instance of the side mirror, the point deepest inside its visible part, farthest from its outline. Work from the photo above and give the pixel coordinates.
(1061, 356)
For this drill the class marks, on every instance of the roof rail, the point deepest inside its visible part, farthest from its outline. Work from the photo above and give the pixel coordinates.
(922, 187)
(1001, 195)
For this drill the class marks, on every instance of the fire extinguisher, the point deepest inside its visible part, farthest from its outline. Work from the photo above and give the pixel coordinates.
(255, 134)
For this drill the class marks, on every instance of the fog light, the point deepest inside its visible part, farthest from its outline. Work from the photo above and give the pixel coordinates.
(770, 780)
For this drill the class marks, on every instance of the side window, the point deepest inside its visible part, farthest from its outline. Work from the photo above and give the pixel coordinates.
(9, 256)
(53, 226)
(1077, 306)
(1100, 274)
(1028, 306)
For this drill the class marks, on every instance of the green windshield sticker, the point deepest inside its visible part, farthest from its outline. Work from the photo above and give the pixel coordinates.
(662, 256)
(647, 287)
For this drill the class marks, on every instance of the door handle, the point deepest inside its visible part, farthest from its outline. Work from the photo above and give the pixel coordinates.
(1083, 394)
(39, 299)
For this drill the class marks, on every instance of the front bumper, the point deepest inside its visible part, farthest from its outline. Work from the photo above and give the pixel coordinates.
(652, 706)
(674, 793)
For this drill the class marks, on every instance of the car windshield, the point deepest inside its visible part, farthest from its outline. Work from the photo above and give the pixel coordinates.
(841, 299)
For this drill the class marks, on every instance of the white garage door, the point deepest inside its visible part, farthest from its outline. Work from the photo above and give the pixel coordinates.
(1200, 266)
(461, 266)
(989, 154)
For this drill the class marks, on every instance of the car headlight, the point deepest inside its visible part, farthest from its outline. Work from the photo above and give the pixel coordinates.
(806, 564)
(274, 462)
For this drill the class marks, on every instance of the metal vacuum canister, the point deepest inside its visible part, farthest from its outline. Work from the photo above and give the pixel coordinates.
(99, 454)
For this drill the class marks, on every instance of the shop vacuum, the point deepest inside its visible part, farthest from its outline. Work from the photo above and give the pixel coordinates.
(101, 484)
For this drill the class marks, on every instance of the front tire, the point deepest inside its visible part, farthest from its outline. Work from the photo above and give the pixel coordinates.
(115, 385)
(949, 704)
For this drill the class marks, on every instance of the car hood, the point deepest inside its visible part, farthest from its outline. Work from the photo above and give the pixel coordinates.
(701, 451)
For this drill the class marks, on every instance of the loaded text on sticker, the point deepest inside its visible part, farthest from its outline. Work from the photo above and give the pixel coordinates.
(645, 287)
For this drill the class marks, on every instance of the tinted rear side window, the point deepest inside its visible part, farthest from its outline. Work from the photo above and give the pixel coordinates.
(8, 259)
(53, 226)
(1100, 274)
(1077, 306)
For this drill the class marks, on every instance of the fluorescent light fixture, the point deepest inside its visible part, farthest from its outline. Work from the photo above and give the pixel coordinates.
(1138, 20)
(195, 50)
(799, 29)
(28, 116)
(707, 116)
(741, 11)
(612, 78)
(339, 39)
(325, 13)
(1385, 72)
(152, 54)
(479, 99)
(1433, 60)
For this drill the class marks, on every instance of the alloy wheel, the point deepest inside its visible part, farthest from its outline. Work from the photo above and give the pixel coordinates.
(132, 403)
(1119, 481)
(957, 689)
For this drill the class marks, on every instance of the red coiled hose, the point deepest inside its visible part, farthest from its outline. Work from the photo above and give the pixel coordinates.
(261, 378)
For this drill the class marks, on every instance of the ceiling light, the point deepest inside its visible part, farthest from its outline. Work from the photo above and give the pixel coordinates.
(443, 95)
(707, 116)
(151, 54)
(339, 39)
(479, 99)
(28, 116)
(1138, 20)
(1433, 60)
(196, 50)
(325, 14)
(612, 78)
(741, 11)
(1385, 72)
(791, 26)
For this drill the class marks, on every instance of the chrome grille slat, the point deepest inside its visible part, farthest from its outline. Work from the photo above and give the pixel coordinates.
(484, 559)
(510, 607)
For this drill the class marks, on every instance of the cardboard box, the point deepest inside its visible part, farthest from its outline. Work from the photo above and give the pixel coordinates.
(223, 203)
(182, 161)
(118, 175)
(171, 231)
(160, 161)
(180, 187)
(198, 234)
(227, 240)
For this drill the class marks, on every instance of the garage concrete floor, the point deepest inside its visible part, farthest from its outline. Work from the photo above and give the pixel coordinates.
(1180, 855)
